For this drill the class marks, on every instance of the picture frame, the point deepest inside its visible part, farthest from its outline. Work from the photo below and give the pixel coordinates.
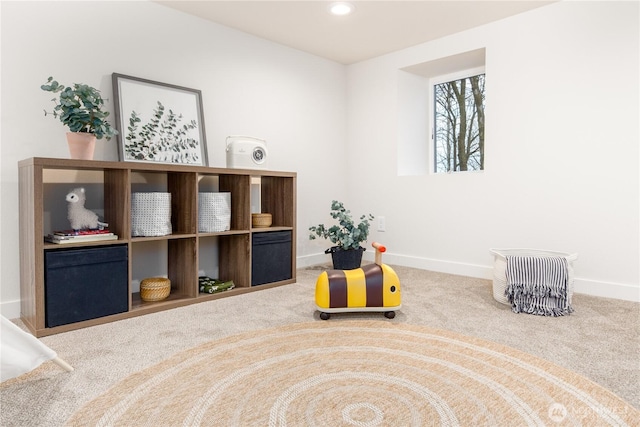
(159, 122)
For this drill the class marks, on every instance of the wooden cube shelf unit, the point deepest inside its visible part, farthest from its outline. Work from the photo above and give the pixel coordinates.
(43, 183)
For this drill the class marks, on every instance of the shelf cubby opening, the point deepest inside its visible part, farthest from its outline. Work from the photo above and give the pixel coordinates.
(57, 183)
(234, 259)
(277, 197)
(181, 186)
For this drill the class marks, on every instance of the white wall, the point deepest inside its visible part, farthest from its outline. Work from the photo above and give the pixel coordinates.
(562, 149)
(250, 86)
(562, 94)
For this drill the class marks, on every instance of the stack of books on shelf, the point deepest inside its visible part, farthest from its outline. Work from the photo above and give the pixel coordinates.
(80, 236)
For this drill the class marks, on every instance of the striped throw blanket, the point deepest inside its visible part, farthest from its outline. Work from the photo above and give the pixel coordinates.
(538, 285)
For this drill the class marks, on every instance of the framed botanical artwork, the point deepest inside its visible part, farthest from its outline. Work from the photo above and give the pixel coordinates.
(159, 122)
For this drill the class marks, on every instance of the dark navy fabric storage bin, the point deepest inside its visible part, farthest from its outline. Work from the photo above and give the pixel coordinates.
(271, 257)
(83, 284)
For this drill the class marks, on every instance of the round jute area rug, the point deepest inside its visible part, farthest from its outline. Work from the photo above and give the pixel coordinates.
(355, 373)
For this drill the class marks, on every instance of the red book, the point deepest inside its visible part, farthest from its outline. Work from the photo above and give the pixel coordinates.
(84, 232)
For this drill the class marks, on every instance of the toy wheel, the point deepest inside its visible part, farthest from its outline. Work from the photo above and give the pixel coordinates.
(324, 316)
(390, 314)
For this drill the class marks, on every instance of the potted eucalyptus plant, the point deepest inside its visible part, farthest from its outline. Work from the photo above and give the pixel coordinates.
(346, 236)
(79, 107)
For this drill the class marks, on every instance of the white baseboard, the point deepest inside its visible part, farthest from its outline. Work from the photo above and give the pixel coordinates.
(596, 288)
(449, 267)
(309, 260)
(10, 309)
(607, 289)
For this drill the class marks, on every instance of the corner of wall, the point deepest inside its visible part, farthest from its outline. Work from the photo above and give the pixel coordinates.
(10, 309)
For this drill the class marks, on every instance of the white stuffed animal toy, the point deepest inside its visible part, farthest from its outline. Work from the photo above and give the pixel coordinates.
(78, 215)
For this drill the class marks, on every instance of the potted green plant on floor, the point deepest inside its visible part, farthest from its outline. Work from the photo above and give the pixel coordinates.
(346, 236)
(79, 107)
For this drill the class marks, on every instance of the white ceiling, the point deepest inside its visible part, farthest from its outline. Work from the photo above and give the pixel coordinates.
(375, 28)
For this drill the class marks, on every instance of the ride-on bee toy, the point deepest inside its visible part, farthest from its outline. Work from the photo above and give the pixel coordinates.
(374, 287)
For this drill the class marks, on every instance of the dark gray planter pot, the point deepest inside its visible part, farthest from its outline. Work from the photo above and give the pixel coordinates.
(345, 259)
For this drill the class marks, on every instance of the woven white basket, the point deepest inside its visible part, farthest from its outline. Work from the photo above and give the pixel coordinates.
(214, 212)
(150, 214)
(500, 268)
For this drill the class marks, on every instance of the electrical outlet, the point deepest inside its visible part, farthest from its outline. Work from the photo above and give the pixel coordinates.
(381, 224)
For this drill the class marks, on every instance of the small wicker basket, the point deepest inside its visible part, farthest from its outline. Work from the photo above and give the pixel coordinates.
(155, 288)
(259, 220)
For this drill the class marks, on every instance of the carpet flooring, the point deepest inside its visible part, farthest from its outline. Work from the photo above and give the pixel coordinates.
(361, 373)
(599, 342)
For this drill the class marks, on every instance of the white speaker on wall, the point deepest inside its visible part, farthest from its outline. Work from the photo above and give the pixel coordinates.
(246, 152)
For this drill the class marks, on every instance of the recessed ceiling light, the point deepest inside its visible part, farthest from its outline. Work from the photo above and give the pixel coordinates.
(341, 8)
